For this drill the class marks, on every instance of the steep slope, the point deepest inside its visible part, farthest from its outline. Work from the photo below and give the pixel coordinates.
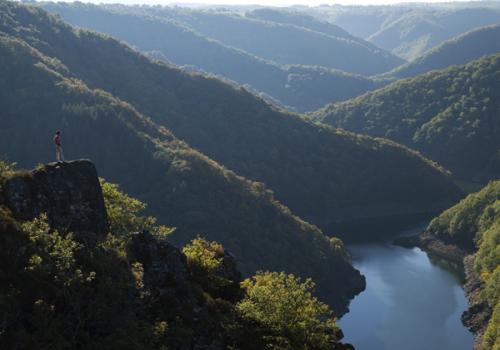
(299, 87)
(183, 188)
(128, 287)
(324, 175)
(460, 50)
(285, 43)
(473, 227)
(452, 116)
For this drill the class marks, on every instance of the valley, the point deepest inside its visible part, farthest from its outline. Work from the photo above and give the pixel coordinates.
(249, 177)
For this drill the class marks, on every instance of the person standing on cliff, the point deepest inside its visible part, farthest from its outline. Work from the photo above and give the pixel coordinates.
(59, 150)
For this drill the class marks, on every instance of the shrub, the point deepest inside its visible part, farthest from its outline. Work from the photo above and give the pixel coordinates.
(284, 304)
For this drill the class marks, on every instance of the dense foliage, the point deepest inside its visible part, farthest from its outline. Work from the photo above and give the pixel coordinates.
(464, 220)
(474, 223)
(183, 188)
(207, 262)
(460, 50)
(6, 167)
(58, 293)
(303, 88)
(451, 116)
(124, 213)
(284, 304)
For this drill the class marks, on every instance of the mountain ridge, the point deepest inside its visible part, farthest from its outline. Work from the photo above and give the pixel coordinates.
(182, 187)
(336, 169)
(455, 107)
(299, 87)
(460, 50)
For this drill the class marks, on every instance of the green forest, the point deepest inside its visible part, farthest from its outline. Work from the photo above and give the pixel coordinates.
(451, 116)
(182, 187)
(340, 172)
(474, 224)
(458, 50)
(249, 177)
(299, 87)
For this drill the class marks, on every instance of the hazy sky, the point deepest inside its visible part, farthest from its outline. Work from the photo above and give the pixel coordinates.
(271, 2)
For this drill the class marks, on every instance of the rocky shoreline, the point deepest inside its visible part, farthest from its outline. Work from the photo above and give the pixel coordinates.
(476, 317)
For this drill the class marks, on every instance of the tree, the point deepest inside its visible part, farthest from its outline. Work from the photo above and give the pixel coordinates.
(285, 305)
(124, 213)
(217, 275)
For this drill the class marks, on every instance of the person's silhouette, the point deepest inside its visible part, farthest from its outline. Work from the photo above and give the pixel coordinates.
(59, 150)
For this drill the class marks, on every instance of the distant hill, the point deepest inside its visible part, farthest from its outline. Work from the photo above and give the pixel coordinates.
(418, 31)
(460, 50)
(303, 20)
(451, 116)
(284, 43)
(342, 176)
(299, 87)
(409, 30)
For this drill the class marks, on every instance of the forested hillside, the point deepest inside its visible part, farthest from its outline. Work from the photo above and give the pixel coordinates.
(182, 187)
(409, 30)
(341, 176)
(284, 43)
(451, 116)
(197, 209)
(460, 50)
(411, 35)
(303, 88)
(300, 19)
(474, 226)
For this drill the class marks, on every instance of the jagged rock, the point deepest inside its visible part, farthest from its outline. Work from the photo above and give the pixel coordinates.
(168, 282)
(165, 267)
(476, 317)
(69, 193)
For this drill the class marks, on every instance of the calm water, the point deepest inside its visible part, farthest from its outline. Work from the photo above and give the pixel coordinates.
(410, 303)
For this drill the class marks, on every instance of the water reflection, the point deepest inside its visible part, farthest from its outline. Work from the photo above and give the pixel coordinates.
(411, 302)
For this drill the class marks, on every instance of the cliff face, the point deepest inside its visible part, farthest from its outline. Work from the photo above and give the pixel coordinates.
(477, 316)
(69, 193)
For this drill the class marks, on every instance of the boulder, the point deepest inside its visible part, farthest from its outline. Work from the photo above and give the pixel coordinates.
(69, 193)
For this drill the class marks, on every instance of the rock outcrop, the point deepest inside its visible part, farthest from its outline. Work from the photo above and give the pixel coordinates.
(168, 281)
(138, 289)
(69, 193)
(477, 316)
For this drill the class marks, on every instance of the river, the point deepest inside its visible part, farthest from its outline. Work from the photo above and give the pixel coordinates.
(411, 302)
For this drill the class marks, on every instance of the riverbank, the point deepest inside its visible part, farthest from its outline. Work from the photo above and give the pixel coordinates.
(411, 302)
(477, 316)
(478, 313)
